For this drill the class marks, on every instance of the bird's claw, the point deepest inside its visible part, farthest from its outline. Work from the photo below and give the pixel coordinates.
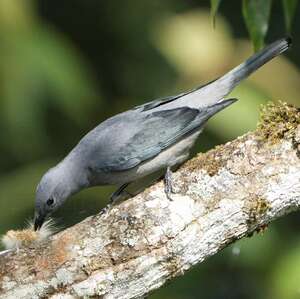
(168, 184)
(116, 196)
(105, 209)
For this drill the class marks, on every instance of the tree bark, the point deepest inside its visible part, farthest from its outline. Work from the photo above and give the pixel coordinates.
(219, 197)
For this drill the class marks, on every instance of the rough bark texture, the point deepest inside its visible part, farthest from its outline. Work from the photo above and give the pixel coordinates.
(220, 196)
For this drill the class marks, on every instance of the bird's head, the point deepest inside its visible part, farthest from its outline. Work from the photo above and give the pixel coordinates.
(51, 193)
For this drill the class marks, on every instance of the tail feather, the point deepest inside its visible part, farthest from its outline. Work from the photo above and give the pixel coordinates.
(218, 89)
(242, 71)
(215, 108)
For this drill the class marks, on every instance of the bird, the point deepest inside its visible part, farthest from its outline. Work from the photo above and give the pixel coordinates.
(157, 135)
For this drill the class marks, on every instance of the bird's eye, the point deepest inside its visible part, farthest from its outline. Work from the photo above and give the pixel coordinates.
(50, 201)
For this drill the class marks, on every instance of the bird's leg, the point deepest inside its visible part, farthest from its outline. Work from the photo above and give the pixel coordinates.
(168, 183)
(115, 197)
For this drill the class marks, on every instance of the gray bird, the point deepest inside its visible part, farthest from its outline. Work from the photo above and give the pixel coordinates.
(131, 145)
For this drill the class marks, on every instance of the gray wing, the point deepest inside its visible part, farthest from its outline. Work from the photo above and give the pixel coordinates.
(149, 136)
(140, 139)
(126, 140)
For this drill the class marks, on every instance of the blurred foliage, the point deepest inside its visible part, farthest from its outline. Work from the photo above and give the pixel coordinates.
(214, 9)
(66, 66)
(37, 64)
(256, 15)
(289, 9)
(285, 277)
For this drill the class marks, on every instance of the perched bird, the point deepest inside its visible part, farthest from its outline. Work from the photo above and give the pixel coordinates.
(130, 145)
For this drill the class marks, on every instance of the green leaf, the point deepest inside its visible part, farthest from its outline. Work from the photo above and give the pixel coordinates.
(214, 6)
(289, 9)
(256, 14)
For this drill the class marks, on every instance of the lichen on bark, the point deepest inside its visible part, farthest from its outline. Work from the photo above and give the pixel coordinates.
(220, 196)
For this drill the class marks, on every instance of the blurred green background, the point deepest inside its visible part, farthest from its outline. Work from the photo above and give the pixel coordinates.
(67, 65)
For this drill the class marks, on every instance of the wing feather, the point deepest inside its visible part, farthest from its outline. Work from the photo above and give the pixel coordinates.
(157, 131)
(140, 136)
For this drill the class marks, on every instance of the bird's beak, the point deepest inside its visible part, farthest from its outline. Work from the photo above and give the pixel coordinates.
(38, 221)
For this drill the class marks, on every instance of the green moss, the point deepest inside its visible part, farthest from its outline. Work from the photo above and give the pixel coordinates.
(173, 265)
(278, 120)
(256, 208)
(262, 206)
(211, 161)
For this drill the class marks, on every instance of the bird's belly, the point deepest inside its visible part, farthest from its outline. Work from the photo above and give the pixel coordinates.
(171, 156)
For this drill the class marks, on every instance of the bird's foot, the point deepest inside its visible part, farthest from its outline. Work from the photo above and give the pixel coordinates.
(115, 197)
(105, 209)
(168, 184)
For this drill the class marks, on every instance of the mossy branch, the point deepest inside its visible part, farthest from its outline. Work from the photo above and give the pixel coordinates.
(220, 196)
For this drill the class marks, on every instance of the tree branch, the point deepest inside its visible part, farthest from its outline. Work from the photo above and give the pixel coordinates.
(220, 196)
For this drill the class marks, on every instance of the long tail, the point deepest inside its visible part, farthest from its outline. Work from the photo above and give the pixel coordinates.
(218, 89)
(232, 78)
